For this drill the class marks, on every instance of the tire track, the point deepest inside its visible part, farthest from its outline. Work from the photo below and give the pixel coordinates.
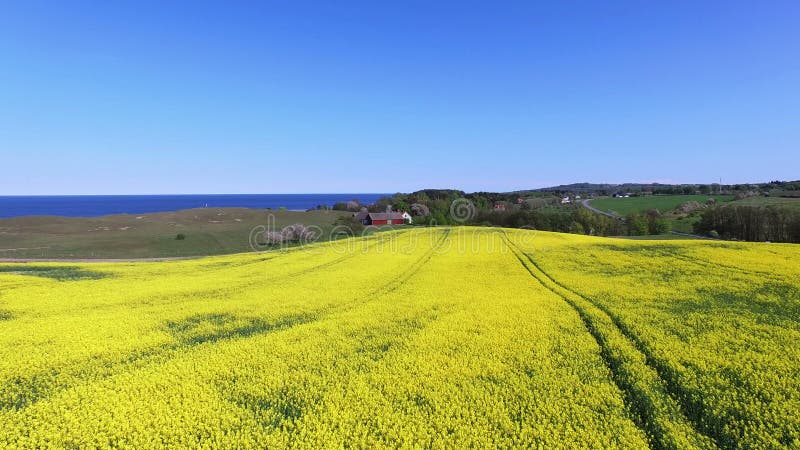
(695, 409)
(237, 288)
(675, 252)
(655, 411)
(411, 271)
(18, 392)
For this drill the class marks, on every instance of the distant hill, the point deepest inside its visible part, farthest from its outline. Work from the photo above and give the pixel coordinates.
(594, 187)
(774, 188)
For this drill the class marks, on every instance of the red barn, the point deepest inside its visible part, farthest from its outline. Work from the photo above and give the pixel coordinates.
(392, 218)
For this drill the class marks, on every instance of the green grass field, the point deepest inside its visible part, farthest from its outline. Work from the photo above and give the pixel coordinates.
(208, 231)
(663, 203)
(766, 201)
(460, 337)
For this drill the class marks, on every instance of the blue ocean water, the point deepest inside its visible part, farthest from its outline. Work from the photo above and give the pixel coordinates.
(101, 205)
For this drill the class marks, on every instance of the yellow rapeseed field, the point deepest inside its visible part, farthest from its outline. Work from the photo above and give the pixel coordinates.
(434, 338)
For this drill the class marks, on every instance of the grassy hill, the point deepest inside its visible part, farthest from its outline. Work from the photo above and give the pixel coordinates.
(663, 203)
(789, 202)
(430, 337)
(207, 231)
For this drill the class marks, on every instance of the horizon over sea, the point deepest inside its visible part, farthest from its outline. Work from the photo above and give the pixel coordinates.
(103, 205)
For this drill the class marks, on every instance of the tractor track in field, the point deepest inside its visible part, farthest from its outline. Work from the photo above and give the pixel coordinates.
(646, 387)
(692, 408)
(306, 271)
(411, 271)
(723, 267)
(216, 292)
(45, 383)
(718, 268)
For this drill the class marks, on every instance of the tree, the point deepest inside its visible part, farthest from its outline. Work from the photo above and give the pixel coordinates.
(658, 225)
(438, 218)
(751, 223)
(291, 233)
(637, 225)
(348, 226)
(576, 228)
(298, 232)
(419, 209)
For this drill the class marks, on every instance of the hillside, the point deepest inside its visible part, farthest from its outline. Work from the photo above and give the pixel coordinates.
(664, 203)
(789, 202)
(434, 337)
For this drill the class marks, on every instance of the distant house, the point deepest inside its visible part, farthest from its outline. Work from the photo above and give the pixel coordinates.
(407, 217)
(499, 207)
(565, 200)
(577, 197)
(390, 218)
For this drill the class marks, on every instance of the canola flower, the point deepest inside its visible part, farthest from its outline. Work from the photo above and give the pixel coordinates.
(434, 338)
(717, 322)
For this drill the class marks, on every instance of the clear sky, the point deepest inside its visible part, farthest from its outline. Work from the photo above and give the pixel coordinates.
(376, 96)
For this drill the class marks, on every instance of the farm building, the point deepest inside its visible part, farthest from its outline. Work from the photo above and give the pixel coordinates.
(390, 218)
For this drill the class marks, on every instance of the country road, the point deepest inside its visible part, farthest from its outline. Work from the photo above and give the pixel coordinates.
(586, 205)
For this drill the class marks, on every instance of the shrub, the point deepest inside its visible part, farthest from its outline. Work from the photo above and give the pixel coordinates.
(180, 237)
(690, 207)
(291, 233)
(273, 237)
(298, 232)
(348, 226)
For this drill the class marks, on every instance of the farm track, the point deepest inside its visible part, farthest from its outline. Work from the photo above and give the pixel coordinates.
(661, 416)
(692, 407)
(706, 264)
(399, 280)
(239, 287)
(45, 384)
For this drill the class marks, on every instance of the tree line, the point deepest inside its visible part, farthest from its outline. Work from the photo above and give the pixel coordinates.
(544, 212)
(751, 223)
(433, 207)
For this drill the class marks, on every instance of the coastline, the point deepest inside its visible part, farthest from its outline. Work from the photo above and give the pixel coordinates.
(87, 206)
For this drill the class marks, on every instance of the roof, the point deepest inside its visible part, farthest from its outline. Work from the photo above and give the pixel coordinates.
(386, 216)
(362, 215)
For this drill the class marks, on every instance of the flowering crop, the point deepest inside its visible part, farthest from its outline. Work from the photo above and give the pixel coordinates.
(717, 323)
(422, 338)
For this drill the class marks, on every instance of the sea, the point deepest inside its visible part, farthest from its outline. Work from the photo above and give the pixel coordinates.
(102, 205)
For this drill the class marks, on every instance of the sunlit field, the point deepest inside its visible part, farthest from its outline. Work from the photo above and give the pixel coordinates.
(437, 337)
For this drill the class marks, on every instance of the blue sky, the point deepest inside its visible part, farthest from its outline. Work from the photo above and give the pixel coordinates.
(257, 97)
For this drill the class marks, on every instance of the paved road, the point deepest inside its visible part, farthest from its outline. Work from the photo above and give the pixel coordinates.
(586, 205)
